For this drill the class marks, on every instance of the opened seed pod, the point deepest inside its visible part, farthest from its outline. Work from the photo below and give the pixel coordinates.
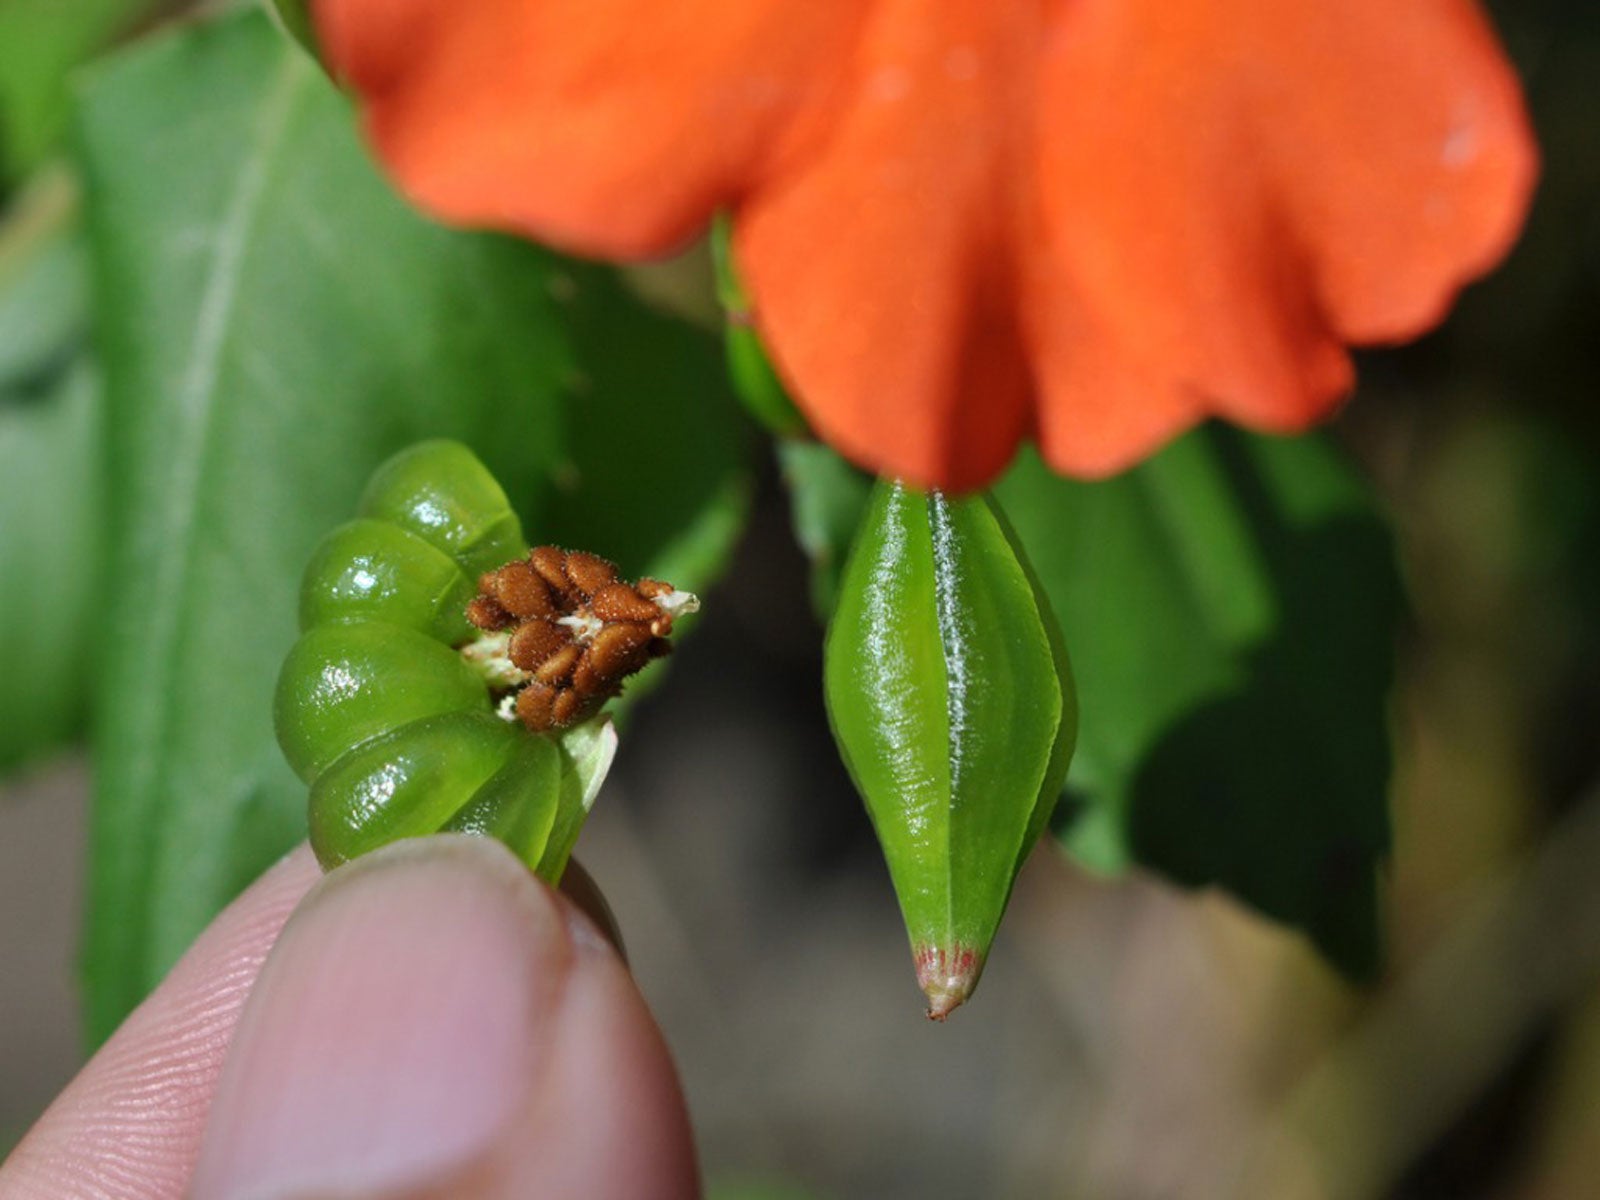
(448, 678)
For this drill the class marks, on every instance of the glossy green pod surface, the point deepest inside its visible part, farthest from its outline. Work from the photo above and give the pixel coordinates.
(518, 803)
(377, 708)
(439, 491)
(347, 682)
(952, 703)
(407, 782)
(368, 570)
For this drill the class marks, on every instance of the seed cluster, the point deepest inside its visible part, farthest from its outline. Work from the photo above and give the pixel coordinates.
(575, 630)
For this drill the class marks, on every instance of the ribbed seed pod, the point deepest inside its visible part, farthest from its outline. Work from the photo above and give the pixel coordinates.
(410, 704)
(951, 699)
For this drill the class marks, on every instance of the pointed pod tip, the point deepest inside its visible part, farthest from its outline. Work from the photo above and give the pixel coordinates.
(947, 976)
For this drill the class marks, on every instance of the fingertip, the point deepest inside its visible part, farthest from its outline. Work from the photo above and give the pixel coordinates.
(434, 1020)
(136, 1112)
(611, 1119)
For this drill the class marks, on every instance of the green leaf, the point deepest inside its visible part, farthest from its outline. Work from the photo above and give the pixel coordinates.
(954, 714)
(50, 479)
(40, 42)
(295, 17)
(827, 497)
(275, 323)
(1230, 607)
(655, 477)
(1159, 589)
(755, 379)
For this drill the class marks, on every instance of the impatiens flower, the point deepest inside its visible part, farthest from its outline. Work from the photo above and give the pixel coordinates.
(967, 222)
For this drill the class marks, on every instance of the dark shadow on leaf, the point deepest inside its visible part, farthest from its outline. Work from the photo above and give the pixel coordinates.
(650, 456)
(1278, 792)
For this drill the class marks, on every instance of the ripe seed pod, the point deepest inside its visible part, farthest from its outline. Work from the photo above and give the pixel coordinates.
(951, 700)
(421, 620)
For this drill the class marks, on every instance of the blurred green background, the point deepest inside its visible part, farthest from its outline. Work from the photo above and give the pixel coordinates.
(1131, 1038)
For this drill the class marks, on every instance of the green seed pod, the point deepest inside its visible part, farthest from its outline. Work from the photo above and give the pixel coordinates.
(345, 683)
(518, 803)
(441, 492)
(375, 571)
(952, 703)
(408, 781)
(447, 678)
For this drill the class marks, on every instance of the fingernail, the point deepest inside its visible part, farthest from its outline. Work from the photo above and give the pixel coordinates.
(579, 888)
(404, 1018)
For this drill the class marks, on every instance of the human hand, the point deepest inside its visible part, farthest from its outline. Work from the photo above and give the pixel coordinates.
(430, 1020)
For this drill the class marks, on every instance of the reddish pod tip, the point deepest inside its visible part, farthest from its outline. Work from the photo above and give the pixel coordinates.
(947, 976)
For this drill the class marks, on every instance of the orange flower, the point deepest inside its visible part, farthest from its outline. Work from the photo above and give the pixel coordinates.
(966, 222)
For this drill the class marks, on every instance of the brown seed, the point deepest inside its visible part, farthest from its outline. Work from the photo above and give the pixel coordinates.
(618, 651)
(573, 674)
(566, 708)
(589, 571)
(534, 707)
(594, 685)
(521, 592)
(619, 602)
(557, 669)
(550, 562)
(584, 680)
(486, 614)
(535, 641)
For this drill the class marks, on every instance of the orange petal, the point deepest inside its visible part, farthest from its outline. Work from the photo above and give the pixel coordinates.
(1229, 189)
(609, 127)
(879, 264)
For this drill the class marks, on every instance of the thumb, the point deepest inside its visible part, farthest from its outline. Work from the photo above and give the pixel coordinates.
(433, 1020)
